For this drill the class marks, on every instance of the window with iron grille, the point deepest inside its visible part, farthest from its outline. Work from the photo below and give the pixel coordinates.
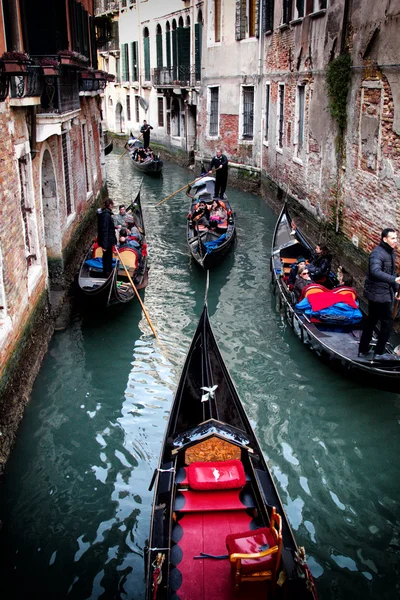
(267, 102)
(85, 157)
(280, 114)
(128, 107)
(161, 112)
(214, 111)
(26, 212)
(248, 113)
(300, 119)
(67, 180)
(137, 109)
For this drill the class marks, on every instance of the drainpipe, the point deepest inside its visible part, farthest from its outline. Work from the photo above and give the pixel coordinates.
(32, 140)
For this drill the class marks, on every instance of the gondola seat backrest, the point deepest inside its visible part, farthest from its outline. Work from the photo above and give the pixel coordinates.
(346, 290)
(216, 475)
(130, 258)
(313, 288)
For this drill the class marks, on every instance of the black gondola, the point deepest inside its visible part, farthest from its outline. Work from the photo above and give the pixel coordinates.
(209, 245)
(151, 166)
(116, 289)
(334, 341)
(212, 481)
(108, 143)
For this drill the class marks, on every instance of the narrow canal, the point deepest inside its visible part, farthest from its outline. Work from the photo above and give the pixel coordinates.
(75, 505)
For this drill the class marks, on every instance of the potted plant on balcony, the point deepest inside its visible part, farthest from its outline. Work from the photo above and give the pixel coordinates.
(72, 59)
(15, 63)
(50, 67)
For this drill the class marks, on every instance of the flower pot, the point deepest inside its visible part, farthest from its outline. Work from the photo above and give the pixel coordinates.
(14, 67)
(50, 71)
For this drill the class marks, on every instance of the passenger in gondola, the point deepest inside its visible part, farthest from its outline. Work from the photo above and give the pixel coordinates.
(320, 264)
(302, 280)
(120, 220)
(218, 213)
(301, 262)
(149, 153)
(127, 240)
(345, 279)
(201, 216)
(141, 154)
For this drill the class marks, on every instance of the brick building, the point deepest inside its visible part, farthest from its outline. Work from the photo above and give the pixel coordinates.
(51, 174)
(154, 48)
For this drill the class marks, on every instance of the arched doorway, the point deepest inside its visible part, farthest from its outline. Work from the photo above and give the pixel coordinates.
(119, 118)
(176, 117)
(51, 218)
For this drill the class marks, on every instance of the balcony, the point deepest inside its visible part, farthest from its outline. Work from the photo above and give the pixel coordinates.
(177, 76)
(27, 85)
(103, 7)
(60, 94)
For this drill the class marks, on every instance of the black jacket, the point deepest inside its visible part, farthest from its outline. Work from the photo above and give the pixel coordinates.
(299, 284)
(105, 229)
(217, 161)
(380, 283)
(320, 266)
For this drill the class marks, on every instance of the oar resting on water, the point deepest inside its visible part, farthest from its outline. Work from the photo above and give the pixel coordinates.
(137, 295)
(185, 186)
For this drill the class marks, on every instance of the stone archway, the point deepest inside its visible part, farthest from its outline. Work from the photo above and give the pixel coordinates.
(51, 218)
(119, 118)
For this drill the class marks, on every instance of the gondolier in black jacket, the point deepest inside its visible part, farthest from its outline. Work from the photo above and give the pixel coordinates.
(380, 287)
(106, 237)
(220, 163)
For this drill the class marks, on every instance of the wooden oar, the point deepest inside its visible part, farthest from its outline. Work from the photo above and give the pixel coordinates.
(185, 186)
(138, 296)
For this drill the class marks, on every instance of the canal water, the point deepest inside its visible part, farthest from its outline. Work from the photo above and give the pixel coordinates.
(75, 505)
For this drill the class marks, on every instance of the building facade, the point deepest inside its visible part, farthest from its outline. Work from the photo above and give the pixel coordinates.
(52, 175)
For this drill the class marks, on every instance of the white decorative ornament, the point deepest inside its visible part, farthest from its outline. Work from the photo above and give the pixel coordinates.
(209, 394)
(216, 474)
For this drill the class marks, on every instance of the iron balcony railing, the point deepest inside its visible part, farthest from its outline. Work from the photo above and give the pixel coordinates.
(180, 75)
(105, 6)
(28, 85)
(60, 94)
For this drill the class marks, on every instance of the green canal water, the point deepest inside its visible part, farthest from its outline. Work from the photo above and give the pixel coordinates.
(75, 505)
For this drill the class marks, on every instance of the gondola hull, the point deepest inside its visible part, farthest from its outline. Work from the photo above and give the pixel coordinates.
(151, 167)
(199, 238)
(338, 345)
(116, 289)
(208, 423)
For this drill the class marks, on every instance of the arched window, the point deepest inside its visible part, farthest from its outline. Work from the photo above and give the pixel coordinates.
(159, 46)
(198, 37)
(168, 43)
(146, 48)
(188, 21)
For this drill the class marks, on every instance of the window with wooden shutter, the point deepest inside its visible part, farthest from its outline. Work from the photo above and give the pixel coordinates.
(287, 11)
(134, 61)
(268, 15)
(160, 111)
(168, 45)
(198, 35)
(159, 46)
(175, 52)
(146, 50)
(125, 61)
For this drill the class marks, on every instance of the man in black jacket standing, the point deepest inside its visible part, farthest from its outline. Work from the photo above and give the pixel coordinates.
(106, 237)
(220, 163)
(379, 289)
(145, 131)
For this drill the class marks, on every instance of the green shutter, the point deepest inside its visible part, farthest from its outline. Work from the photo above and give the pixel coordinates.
(134, 58)
(198, 35)
(146, 44)
(123, 62)
(175, 53)
(168, 43)
(159, 50)
(185, 48)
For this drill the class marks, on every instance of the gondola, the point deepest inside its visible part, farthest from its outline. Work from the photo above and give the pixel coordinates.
(116, 289)
(208, 246)
(336, 342)
(108, 143)
(151, 166)
(214, 494)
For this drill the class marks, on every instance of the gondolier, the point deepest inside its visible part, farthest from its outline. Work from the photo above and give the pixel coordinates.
(145, 131)
(220, 163)
(106, 235)
(380, 287)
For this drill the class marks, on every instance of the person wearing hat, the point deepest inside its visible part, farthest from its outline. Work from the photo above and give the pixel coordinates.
(301, 262)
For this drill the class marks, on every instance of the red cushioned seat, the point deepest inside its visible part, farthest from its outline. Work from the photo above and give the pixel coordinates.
(252, 542)
(218, 475)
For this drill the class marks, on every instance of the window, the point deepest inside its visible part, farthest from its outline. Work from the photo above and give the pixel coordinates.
(268, 15)
(134, 58)
(160, 112)
(125, 62)
(280, 115)
(168, 122)
(198, 35)
(67, 179)
(85, 156)
(128, 107)
(300, 117)
(267, 102)
(246, 19)
(28, 213)
(117, 70)
(248, 113)
(146, 48)
(296, 9)
(137, 109)
(159, 46)
(168, 43)
(251, 18)
(214, 111)
(217, 20)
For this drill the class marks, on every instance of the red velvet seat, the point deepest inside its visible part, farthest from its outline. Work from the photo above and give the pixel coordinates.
(253, 542)
(216, 475)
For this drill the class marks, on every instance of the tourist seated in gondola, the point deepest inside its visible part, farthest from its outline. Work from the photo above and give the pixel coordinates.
(301, 262)
(345, 279)
(122, 218)
(320, 264)
(141, 155)
(127, 240)
(302, 279)
(218, 213)
(149, 153)
(201, 215)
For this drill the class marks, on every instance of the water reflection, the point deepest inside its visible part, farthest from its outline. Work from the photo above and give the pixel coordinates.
(75, 504)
